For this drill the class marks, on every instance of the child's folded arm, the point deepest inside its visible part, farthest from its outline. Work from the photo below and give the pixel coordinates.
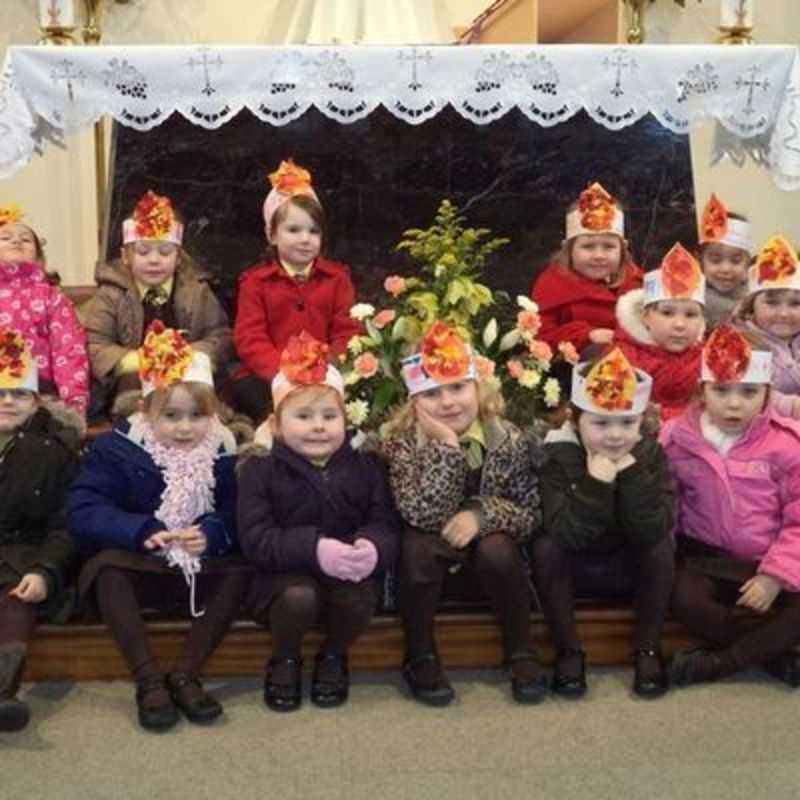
(100, 321)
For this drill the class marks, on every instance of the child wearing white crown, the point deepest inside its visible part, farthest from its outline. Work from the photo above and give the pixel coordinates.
(607, 497)
(154, 280)
(577, 293)
(39, 442)
(736, 467)
(156, 494)
(316, 518)
(463, 480)
(296, 290)
(771, 311)
(661, 329)
(31, 304)
(726, 247)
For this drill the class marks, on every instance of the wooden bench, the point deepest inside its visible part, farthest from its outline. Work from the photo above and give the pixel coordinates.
(88, 652)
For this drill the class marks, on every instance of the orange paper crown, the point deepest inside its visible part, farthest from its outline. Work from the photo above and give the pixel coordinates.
(680, 272)
(165, 356)
(597, 208)
(611, 382)
(714, 223)
(291, 179)
(445, 355)
(305, 360)
(15, 359)
(11, 213)
(727, 354)
(153, 216)
(777, 261)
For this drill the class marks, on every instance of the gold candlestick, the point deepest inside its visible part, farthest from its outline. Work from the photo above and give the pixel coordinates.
(56, 23)
(92, 32)
(635, 21)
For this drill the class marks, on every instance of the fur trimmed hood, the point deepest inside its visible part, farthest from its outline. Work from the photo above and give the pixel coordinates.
(72, 425)
(630, 308)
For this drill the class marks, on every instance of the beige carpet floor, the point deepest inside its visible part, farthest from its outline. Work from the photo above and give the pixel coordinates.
(738, 739)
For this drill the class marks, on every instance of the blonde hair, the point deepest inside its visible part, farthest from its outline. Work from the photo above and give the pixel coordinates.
(203, 395)
(490, 404)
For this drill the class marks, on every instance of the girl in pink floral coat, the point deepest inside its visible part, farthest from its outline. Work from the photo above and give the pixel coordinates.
(44, 316)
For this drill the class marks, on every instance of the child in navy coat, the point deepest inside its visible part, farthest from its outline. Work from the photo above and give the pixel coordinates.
(317, 519)
(159, 492)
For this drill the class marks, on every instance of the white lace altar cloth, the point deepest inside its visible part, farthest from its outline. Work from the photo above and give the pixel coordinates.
(749, 90)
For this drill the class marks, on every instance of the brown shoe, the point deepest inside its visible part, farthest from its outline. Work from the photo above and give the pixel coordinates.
(156, 710)
(190, 697)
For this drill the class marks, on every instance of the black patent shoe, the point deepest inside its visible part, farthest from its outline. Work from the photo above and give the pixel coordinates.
(283, 686)
(694, 666)
(157, 712)
(427, 682)
(330, 683)
(649, 686)
(14, 714)
(528, 681)
(192, 699)
(786, 668)
(570, 684)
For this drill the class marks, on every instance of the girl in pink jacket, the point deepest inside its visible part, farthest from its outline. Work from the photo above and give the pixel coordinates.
(45, 317)
(736, 468)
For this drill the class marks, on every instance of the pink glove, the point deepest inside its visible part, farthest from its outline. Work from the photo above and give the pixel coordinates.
(336, 559)
(367, 557)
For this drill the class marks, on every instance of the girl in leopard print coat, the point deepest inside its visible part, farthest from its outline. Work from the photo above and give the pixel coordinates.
(464, 482)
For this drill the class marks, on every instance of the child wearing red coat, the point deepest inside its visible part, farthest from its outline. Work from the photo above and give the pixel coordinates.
(296, 290)
(661, 329)
(578, 291)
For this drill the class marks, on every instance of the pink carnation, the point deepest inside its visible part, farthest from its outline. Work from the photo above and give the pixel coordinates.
(515, 368)
(366, 365)
(395, 285)
(529, 322)
(540, 350)
(383, 318)
(484, 366)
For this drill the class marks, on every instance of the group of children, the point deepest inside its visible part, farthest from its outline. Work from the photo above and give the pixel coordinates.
(703, 516)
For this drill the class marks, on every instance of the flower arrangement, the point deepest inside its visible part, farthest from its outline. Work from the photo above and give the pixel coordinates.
(447, 291)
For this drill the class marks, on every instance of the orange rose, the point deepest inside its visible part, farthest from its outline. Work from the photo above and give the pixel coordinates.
(395, 285)
(383, 318)
(540, 350)
(366, 365)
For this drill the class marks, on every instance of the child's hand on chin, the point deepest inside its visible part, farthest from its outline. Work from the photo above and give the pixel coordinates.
(436, 430)
(31, 589)
(759, 592)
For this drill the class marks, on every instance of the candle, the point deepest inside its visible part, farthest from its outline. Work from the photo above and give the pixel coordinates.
(57, 13)
(736, 14)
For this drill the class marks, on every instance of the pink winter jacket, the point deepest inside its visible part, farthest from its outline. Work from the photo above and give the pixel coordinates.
(747, 502)
(46, 319)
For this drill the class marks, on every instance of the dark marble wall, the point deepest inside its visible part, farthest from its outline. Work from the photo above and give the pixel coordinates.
(379, 176)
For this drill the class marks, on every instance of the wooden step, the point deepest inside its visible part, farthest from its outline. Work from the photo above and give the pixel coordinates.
(87, 652)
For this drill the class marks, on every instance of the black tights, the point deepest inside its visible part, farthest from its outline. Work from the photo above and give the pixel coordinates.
(118, 596)
(501, 572)
(17, 618)
(553, 576)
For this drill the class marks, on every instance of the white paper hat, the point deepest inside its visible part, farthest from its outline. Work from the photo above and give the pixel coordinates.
(680, 278)
(281, 385)
(717, 227)
(776, 267)
(597, 213)
(612, 387)
(729, 358)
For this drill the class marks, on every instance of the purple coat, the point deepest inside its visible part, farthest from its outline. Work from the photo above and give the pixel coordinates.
(748, 502)
(286, 505)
